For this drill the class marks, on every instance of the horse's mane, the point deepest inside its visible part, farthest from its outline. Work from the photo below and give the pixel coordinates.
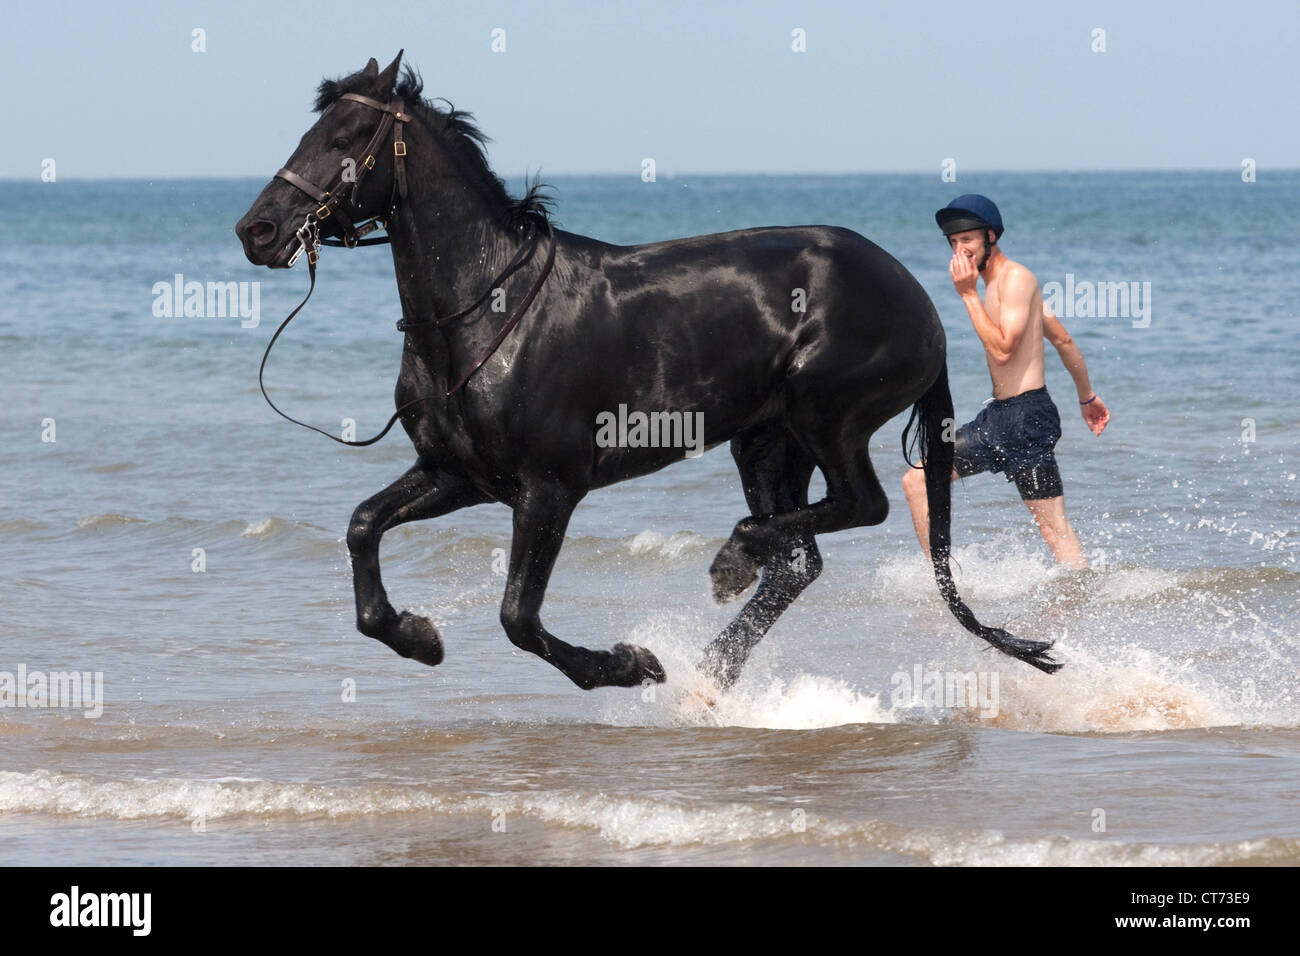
(455, 129)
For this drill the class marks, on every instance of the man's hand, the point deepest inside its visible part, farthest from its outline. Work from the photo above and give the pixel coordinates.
(964, 274)
(1095, 414)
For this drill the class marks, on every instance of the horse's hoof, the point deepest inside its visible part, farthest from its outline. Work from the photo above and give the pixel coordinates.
(732, 572)
(632, 666)
(418, 639)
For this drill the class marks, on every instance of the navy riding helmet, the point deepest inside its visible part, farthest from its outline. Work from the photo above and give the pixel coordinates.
(971, 211)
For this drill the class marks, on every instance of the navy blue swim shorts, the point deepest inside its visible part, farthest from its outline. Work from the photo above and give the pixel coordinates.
(1015, 436)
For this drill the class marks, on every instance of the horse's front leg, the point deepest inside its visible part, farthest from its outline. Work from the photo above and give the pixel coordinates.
(541, 515)
(426, 491)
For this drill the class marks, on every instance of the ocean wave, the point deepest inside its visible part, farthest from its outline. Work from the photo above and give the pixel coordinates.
(113, 520)
(626, 822)
(992, 848)
(622, 820)
(438, 540)
(21, 526)
(64, 794)
(116, 468)
(676, 545)
(984, 573)
(272, 526)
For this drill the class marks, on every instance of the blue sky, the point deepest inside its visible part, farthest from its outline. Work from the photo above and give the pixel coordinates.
(114, 89)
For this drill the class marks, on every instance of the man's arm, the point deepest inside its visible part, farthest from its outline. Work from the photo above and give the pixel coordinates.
(1094, 412)
(999, 338)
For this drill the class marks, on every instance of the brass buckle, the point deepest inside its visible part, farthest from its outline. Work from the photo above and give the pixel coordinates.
(323, 212)
(312, 256)
(368, 162)
(307, 241)
(399, 147)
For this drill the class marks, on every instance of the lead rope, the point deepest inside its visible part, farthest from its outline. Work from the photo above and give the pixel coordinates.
(310, 240)
(308, 236)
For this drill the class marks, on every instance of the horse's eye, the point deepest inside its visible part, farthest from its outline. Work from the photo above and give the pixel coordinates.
(341, 143)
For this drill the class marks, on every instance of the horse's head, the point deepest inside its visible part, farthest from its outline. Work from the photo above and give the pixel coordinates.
(345, 169)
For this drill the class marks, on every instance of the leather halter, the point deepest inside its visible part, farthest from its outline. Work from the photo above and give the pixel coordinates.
(341, 206)
(343, 200)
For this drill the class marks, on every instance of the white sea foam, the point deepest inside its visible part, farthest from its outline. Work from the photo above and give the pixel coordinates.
(626, 822)
(43, 791)
(992, 848)
(1105, 687)
(1138, 692)
(688, 697)
(622, 820)
(1135, 584)
(805, 702)
(673, 546)
(1087, 696)
(1120, 676)
(258, 529)
(997, 571)
(90, 522)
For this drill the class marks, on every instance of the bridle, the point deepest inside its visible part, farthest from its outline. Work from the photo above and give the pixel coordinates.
(340, 205)
(332, 202)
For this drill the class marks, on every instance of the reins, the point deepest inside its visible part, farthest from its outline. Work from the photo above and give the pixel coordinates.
(332, 205)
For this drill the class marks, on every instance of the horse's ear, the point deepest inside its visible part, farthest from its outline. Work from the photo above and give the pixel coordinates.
(388, 79)
(372, 68)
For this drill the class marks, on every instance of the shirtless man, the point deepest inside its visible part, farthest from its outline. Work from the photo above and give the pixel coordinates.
(1016, 433)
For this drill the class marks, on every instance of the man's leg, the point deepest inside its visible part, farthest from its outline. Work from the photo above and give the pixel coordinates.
(1049, 513)
(970, 456)
(914, 491)
(1040, 487)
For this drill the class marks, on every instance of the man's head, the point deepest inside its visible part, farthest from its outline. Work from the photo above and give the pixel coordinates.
(973, 226)
(974, 244)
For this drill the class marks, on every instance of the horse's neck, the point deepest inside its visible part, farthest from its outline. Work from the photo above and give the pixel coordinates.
(446, 262)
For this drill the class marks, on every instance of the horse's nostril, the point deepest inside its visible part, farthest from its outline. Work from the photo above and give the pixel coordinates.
(261, 229)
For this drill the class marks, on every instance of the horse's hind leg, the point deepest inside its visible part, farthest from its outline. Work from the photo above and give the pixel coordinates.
(541, 514)
(854, 496)
(774, 471)
(425, 491)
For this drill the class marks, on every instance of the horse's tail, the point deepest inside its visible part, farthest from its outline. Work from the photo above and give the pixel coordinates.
(933, 416)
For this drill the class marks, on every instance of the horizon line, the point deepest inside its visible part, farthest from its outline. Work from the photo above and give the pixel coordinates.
(635, 174)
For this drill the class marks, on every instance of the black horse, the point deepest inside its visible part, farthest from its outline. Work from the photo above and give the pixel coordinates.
(796, 344)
